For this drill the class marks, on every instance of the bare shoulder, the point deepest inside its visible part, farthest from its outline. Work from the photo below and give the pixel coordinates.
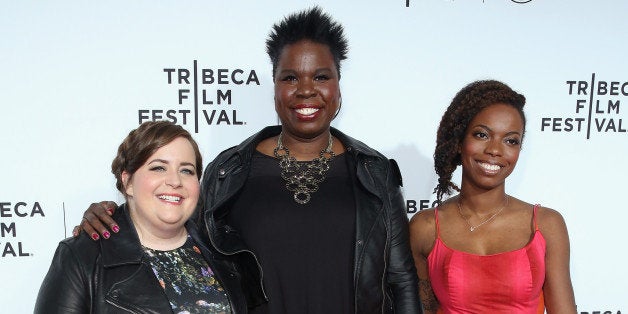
(551, 222)
(549, 216)
(423, 220)
(423, 231)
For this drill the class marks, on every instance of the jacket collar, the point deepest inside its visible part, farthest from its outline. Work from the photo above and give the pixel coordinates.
(247, 147)
(125, 248)
(354, 146)
(360, 153)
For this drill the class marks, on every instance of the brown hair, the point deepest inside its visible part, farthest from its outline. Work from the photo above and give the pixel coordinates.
(143, 142)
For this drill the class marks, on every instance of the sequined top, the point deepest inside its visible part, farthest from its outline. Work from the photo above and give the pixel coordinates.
(187, 280)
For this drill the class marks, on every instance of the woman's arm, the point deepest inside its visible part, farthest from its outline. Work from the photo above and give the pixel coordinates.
(95, 218)
(421, 240)
(64, 289)
(400, 269)
(557, 290)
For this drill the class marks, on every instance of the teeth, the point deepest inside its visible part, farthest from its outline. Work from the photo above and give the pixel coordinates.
(170, 198)
(490, 167)
(306, 111)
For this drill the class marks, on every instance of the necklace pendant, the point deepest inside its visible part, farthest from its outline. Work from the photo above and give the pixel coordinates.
(303, 179)
(472, 227)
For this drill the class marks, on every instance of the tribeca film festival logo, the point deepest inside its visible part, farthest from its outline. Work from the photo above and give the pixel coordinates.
(204, 96)
(8, 229)
(514, 1)
(414, 206)
(596, 108)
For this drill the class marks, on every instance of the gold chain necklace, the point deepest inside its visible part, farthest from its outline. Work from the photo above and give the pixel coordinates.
(303, 178)
(472, 227)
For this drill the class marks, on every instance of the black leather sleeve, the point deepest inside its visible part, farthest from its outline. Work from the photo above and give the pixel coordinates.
(402, 278)
(65, 288)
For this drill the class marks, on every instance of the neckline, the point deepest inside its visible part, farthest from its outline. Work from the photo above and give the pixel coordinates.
(185, 244)
(260, 154)
(537, 234)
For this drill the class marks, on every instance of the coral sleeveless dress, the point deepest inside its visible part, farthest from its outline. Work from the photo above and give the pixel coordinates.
(509, 282)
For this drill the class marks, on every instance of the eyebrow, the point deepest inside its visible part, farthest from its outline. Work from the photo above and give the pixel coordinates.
(491, 130)
(291, 70)
(166, 162)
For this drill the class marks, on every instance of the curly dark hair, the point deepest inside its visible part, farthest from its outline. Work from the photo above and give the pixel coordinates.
(467, 103)
(313, 25)
(143, 142)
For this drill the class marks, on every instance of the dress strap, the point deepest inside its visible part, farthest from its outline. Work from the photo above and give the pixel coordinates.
(437, 224)
(536, 225)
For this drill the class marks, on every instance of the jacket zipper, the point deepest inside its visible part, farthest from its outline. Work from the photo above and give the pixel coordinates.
(240, 251)
(120, 306)
(209, 235)
(383, 280)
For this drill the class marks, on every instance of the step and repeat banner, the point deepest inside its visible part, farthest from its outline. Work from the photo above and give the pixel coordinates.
(77, 76)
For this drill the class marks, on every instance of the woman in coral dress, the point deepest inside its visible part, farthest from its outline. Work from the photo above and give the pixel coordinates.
(482, 250)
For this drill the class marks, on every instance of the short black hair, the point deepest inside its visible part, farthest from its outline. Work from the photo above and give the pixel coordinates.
(311, 24)
(467, 103)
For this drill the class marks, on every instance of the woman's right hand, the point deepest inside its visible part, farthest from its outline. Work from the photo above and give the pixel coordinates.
(95, 218)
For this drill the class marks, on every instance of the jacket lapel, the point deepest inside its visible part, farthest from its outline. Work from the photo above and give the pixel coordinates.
(126, 248)
(139, 294)
(133, 286)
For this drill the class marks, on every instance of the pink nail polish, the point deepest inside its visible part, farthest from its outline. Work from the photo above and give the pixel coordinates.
(95, 236)
(110, 211)
(115, 228)
(106, 235)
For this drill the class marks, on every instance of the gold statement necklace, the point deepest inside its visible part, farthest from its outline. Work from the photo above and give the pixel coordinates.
(472, 227)
(303, 178)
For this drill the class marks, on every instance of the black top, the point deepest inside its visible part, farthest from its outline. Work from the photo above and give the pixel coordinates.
(305, 250)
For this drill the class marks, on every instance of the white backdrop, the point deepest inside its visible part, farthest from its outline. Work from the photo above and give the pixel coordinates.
(78, 76)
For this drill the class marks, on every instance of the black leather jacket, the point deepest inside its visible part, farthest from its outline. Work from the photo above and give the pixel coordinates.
(112, 276)
(384, 274)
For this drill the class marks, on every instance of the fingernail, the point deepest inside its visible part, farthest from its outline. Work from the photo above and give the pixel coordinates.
(115, 228)
(110, 211)
(106, 234)
(95, 236)
(74, 233)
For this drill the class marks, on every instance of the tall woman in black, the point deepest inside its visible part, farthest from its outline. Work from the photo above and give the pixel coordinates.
(314, 218)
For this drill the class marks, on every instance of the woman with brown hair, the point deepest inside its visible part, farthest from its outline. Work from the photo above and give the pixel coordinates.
(157, 168)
